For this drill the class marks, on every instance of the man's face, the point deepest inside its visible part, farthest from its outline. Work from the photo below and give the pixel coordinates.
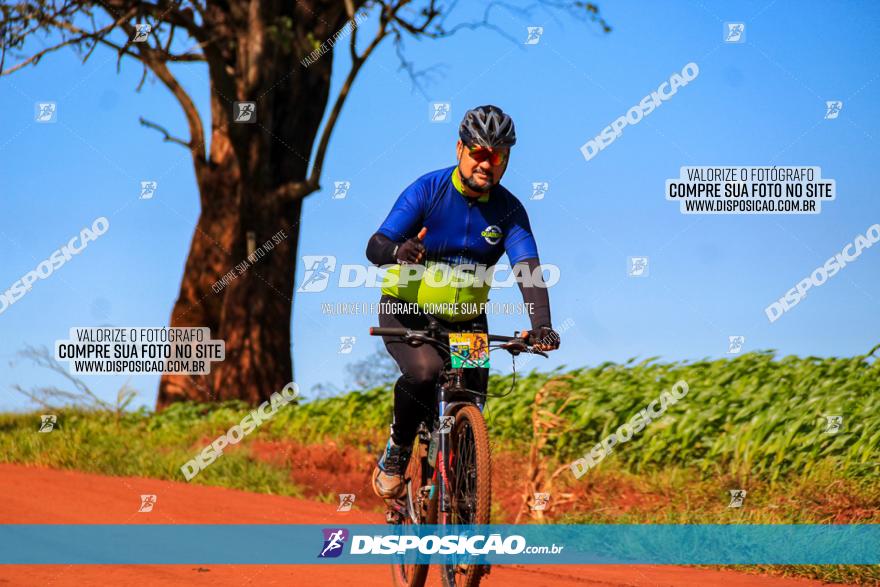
(481, 176)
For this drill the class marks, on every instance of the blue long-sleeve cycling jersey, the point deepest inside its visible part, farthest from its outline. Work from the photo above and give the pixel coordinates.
(480, 230)
(461, 230)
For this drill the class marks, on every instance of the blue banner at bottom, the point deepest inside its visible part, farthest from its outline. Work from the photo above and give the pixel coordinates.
(697, 544)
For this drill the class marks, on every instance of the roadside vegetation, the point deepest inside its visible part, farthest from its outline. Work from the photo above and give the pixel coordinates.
(754, 422)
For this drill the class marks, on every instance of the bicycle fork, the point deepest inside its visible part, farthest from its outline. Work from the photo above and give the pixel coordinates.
(441, 471)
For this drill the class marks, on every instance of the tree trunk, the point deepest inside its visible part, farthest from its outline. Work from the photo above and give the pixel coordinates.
(244, 203)
(257, 307)
(210, 258)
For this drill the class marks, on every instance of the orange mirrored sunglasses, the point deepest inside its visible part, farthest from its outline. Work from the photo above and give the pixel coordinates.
(495, 157)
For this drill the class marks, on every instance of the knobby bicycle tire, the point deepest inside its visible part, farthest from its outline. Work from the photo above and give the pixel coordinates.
(411, 575)
(469, 429)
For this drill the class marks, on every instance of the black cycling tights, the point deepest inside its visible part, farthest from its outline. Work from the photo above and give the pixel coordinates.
(414, 397)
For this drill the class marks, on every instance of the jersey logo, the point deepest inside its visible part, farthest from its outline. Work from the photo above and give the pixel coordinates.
(492, 234)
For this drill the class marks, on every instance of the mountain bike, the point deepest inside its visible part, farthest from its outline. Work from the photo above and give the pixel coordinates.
(448, 479)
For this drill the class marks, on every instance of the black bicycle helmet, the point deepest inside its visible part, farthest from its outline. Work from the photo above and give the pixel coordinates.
(487, 126)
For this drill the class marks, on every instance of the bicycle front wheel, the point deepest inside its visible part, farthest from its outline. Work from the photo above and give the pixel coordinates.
(470, 477)
(420, 509)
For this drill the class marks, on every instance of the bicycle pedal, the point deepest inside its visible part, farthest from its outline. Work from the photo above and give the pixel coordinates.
(395, 512)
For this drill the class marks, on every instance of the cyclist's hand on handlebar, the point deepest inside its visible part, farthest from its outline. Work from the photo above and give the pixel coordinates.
(412, 250)
(543, 339)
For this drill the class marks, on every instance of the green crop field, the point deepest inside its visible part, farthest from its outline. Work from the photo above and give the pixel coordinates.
(751, 415)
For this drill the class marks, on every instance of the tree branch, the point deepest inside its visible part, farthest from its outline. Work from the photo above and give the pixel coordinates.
(313, 182)
(399, 25)
(409, 66)
(151, 57)
(97, 36)
(168, 138)
(37, 56)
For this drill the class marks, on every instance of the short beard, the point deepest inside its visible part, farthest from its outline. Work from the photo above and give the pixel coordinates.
(472, 185)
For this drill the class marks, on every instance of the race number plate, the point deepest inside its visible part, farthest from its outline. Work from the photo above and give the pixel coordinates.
(469, 349)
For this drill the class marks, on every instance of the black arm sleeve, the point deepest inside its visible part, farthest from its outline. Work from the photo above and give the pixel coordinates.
(380, 250)
(535, 294)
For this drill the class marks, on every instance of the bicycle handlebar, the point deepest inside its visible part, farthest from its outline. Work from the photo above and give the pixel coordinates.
(393, 331)
(385, 331)
(431, 335)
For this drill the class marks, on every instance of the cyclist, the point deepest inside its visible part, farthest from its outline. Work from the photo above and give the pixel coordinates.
(454, 217)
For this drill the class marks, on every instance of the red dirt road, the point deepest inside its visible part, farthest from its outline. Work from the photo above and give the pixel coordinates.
(30, 495)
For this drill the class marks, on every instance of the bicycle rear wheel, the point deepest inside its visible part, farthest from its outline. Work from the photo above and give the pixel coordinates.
(470, 473)
(419, 508)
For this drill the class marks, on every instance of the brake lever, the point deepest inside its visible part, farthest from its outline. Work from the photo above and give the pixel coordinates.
(515, 347)
(530, 347)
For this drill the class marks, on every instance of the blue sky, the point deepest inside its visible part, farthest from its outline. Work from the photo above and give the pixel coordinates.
(761, 102)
